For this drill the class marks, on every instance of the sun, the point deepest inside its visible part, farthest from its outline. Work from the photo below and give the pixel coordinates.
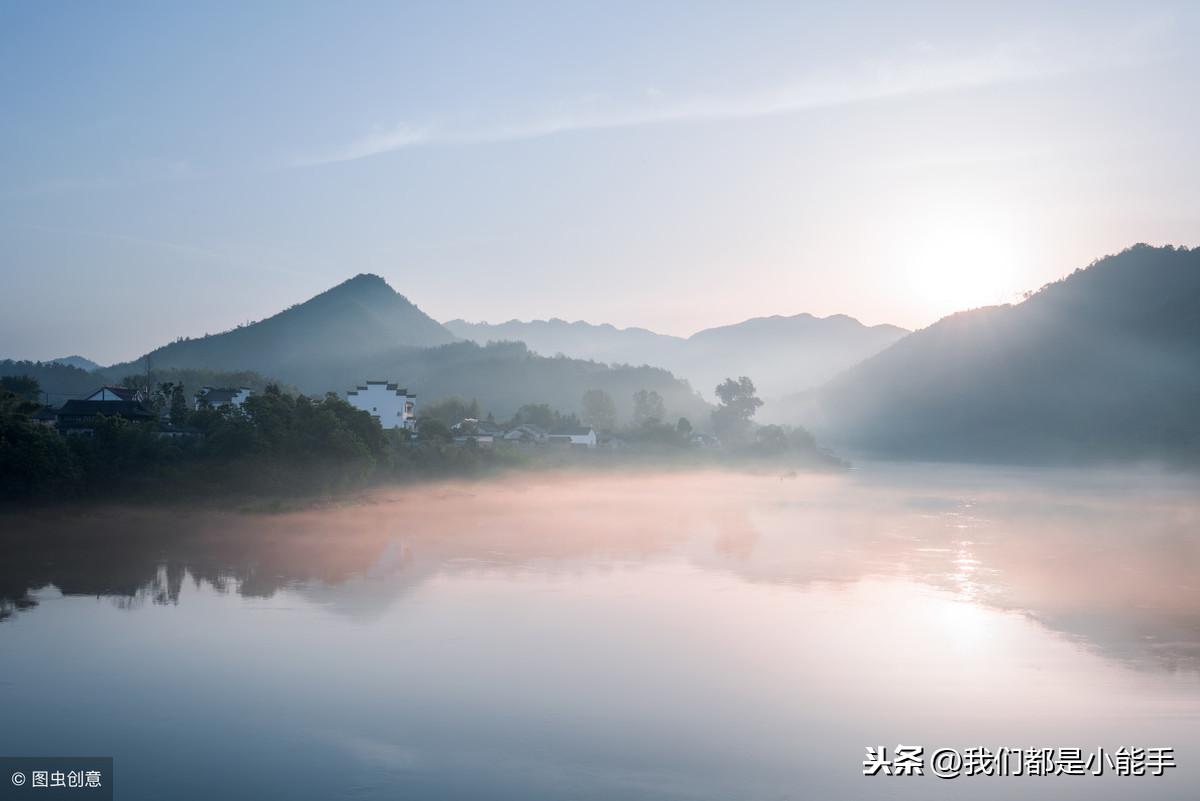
(957, 262)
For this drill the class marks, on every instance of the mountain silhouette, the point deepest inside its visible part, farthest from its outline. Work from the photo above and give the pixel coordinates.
(357, 317)
(77, 361)
(1102, 365)
(363, 329)
(782, 354)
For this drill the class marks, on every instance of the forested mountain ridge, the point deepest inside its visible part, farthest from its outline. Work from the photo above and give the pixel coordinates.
(359, 316)
(362, 329)
(782, 354)
(1102, 365)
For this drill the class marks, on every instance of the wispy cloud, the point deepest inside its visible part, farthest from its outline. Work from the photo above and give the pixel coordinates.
(920, 70)
(374, 143)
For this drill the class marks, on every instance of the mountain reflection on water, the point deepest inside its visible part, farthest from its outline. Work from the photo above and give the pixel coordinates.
(1109, 560)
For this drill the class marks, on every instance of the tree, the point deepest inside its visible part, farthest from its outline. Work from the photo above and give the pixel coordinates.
(23, 386)
(451, 410)
(537, 414)
(431, 429)
(771, 439)
(647, 407)
(34, 460)
(684, 427)
(738, 404)
(179, 407)
(599, 411)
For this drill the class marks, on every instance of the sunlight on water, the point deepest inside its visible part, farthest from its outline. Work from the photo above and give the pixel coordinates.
(701, 636)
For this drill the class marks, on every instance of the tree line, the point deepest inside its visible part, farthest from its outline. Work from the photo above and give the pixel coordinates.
(280, 442)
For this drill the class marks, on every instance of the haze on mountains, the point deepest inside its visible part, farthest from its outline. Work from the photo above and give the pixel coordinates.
(77, 361)
(363, 329)
(782, 354)
(1102, 365)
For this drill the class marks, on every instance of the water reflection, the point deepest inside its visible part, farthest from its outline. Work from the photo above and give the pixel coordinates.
(1107, 562)
(706, 636)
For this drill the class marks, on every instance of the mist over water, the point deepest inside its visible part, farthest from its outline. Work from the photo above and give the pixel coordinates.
(658, 636)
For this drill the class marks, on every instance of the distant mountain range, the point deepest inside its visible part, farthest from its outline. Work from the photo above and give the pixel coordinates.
(363, 329)
(781, 354)
(1104, 364)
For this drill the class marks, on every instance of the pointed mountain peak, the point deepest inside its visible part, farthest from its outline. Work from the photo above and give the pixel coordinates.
(365, 282)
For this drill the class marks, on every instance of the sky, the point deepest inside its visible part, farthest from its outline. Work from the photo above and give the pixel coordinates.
(172, 169)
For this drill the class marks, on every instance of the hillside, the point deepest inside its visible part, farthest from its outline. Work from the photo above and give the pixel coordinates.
(362, 329)
(77, 361)
(503, 376)
(781, 354)
(1103, 365)
(360, 316)
(59, 382)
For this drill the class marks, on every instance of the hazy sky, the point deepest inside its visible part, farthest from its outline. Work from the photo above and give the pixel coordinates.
(173, 169)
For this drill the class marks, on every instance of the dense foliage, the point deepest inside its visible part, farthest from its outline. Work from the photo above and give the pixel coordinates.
(276, 444)
(280, 443)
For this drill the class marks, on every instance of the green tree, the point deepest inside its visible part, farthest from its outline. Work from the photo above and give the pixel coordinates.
(731, 419)
(451, 409)
(771, 439)
(23, 386)
(179, 407)
(599, 411)
(647, 407)
(431, 429)
(34, 460)
(684, 427)
(538, 414)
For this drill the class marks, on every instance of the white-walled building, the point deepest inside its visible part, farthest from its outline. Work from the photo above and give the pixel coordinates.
(214, 398)
(575, 436)
(388, 403)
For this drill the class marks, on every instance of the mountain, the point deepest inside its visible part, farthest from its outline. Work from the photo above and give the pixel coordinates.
(602, 343)
(505, 376)
(1102, 365)
(363, 329)
(360, 316)
(786, 354)
(77, 361)
(781, 354)
(59, 382)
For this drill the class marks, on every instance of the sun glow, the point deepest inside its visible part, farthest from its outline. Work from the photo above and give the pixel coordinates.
(955, 261)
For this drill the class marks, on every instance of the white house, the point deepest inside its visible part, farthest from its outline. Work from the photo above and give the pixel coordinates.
(115, 394)
(215, 398)
(575, 436)
(392, 406)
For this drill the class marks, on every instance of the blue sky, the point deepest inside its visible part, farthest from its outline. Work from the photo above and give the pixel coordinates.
(171, 169)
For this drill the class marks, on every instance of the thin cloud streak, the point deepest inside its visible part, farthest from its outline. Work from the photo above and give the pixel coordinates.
(923, 71)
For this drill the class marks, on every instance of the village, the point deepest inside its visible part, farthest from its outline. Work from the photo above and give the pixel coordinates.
(393, 407)
(157, 439)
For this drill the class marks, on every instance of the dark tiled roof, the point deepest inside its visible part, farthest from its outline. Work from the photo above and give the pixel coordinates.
(219, 395)
(78, 409)
(396, 388)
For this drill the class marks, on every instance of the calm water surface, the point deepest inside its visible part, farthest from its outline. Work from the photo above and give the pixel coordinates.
(707, 636)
